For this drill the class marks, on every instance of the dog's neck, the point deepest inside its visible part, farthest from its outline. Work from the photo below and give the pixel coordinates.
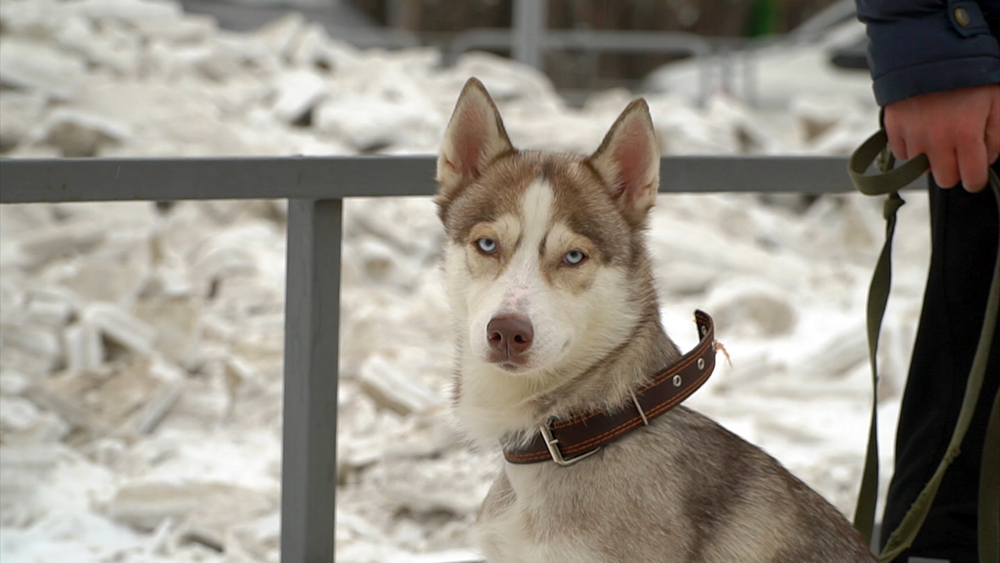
(494, 405)
(609, 381)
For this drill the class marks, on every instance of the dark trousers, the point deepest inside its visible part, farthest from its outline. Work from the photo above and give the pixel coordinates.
(964, 246)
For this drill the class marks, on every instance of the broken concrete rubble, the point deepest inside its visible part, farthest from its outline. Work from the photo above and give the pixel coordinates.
(78, 134)
(30, 348)
(84, 349)
(41, 246)
(21, 422)
(128, 399)
(27, 64)
(21, 111)
(22, 469)
(298, 92)
(203, 508)
(120, 326)
(394, 389)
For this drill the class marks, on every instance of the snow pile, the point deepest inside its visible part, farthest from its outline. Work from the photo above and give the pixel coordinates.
(141, 344)
(140, 77)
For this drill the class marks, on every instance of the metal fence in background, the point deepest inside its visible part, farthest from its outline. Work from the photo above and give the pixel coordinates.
(315, 188)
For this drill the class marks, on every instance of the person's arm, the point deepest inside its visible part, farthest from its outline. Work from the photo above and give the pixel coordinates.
(936, 70)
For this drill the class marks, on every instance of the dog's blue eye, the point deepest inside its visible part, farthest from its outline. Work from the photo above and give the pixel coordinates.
(487, 245)
(574, 257)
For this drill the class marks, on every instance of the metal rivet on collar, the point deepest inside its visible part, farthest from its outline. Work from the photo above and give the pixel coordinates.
(701, 363)
(678, 380)
(704, 331)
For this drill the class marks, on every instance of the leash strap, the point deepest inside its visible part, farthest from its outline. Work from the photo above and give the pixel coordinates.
(889, 182)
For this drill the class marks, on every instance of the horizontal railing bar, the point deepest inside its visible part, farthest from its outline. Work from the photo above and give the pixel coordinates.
(335, 177)
(586, 40)
(292, 177)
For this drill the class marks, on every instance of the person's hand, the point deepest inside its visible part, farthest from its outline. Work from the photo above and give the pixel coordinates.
(958, 130)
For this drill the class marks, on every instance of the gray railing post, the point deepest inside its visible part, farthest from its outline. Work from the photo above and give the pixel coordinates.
(528, 37)
(312, 329)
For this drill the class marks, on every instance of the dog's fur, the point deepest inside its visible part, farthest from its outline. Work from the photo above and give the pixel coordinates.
(681, 489)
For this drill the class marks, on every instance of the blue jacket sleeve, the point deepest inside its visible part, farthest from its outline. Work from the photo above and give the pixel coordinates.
(922, 46)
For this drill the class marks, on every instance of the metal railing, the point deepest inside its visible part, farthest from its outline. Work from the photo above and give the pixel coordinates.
(315, 188)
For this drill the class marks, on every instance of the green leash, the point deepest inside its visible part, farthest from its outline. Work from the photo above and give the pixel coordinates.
(888, 183)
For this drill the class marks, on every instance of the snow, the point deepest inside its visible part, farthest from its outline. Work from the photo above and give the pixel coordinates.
(141, 346)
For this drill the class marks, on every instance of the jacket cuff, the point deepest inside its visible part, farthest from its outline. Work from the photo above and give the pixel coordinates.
(912, 53)
(938, 76)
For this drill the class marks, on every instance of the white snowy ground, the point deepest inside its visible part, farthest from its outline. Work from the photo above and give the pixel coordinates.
(140, 349)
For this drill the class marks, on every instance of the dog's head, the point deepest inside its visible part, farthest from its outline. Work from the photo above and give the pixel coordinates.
(543, 249)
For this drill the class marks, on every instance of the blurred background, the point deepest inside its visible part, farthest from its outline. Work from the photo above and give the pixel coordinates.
(141, 343)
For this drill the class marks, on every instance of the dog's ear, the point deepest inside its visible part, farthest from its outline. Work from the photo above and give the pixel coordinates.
(629, 161)
(475, 136)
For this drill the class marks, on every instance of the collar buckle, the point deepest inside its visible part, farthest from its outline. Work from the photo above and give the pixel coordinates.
(551, 442)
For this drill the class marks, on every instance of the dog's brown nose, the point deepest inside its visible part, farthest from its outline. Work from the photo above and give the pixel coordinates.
(510, 335)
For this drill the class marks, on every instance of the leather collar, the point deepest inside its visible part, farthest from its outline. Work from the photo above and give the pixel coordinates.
(569, 440)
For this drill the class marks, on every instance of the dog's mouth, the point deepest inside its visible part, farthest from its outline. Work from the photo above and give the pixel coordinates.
(511, 365)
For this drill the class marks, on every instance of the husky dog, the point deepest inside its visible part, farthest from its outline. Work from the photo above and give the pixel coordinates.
(553, 298)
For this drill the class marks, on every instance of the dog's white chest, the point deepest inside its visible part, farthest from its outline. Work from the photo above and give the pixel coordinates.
(508, 539)
(526, 530)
